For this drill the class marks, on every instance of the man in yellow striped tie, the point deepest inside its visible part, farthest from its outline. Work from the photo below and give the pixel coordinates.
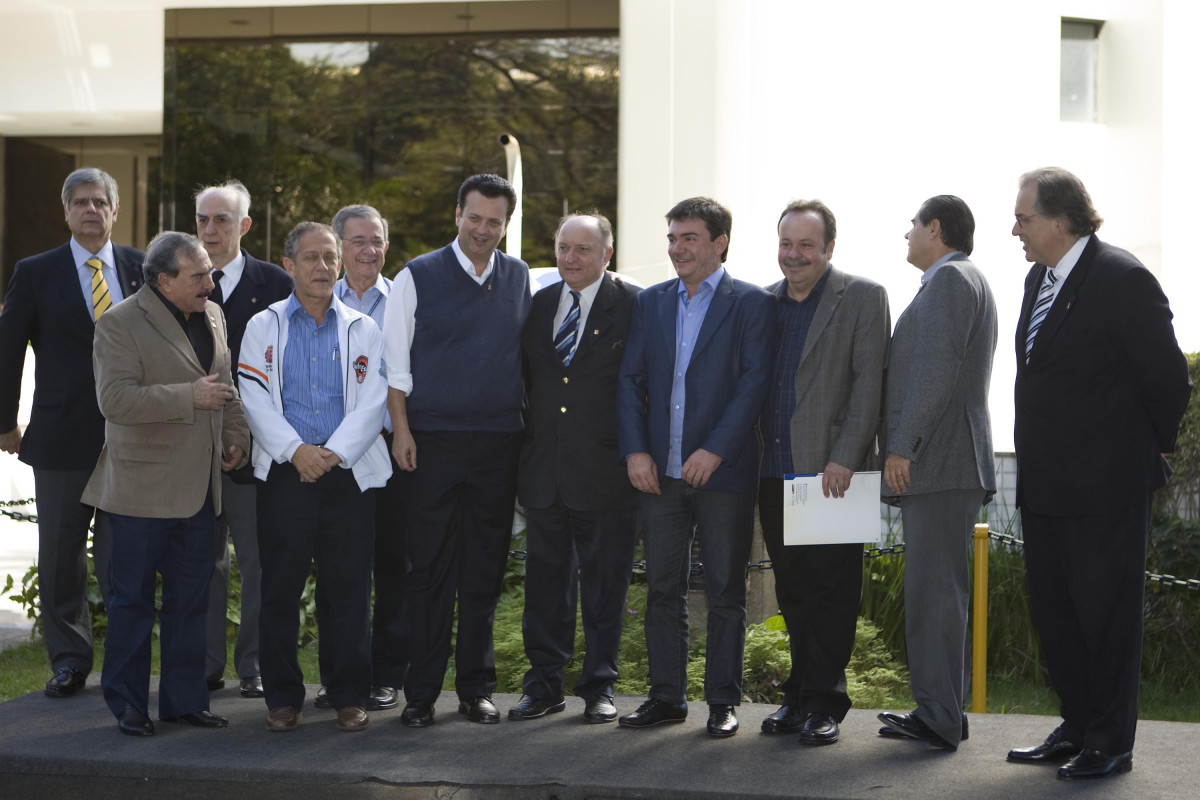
(53, 301)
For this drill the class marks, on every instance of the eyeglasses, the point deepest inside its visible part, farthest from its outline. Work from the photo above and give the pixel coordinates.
(1021, 220)
(358, 242)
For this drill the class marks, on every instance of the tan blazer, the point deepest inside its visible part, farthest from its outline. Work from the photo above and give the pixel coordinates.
(161, 455)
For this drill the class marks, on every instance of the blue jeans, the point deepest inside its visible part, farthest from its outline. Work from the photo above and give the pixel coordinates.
(724, 521)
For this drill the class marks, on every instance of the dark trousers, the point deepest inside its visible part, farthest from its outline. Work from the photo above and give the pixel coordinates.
(1087, 588)
(62, 565)
(331, 521)
(239, 522)
(570, 553)
(458, 512)
(724, 522)
(181, 550)
(389, 623)
(818, 588)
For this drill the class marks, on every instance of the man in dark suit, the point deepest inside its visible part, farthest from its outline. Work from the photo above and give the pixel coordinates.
(243, 287)
(692, 384)
(455, 396)
(173, 424)
(940, 467)
(821, 416)
(1101, 387)
(580, 509)
(53, 301)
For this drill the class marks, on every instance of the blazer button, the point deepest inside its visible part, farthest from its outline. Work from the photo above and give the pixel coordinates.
(566, 379)
(563, 409)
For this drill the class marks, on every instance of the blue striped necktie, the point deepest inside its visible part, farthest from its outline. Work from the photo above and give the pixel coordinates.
(564, 340)
(1041, 308)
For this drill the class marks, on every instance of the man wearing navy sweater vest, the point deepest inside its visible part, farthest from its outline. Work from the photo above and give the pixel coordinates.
(455, 395)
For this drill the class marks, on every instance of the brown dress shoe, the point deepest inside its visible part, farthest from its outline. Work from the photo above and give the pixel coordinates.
(284, 718)
(353, 718)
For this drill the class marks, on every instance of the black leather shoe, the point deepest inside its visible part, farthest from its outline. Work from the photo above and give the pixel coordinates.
(479, 709)
(600, 709)
(891, 733)
(417, 715)
(911, 726)
(134, 723)
(66, 682)
(654, 712)
(1057, 747)
(819, 729)
(721, 721)
(251, 687)
(533, 707)
(1094, 764)
(201, 719)
(788, 719)
(382, 698)
(322, 699)
(215, 685)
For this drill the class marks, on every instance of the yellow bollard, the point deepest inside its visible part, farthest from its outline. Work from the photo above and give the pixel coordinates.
(979, 640)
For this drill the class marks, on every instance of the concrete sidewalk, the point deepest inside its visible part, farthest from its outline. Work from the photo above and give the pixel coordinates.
(71, 748)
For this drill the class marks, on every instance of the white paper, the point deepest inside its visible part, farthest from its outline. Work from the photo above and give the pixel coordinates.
(809, 517)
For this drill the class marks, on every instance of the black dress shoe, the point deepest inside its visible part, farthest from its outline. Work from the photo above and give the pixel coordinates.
(66, 682)
(891, 733)
(1094, 764)
(134, 723)
(417, 715)
(654, 712)
(600, 709)
(382, 698)
(819, 729)
(788, 719)
(479, 709)
(1057, 747)
(251, 687)
(911, 726)
(322, 699)
(216, 684)
(201, 719)
(533, 707)
(721, 721)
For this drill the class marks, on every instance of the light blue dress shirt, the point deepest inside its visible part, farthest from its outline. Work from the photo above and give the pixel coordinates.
(313, 402)
(689, 317)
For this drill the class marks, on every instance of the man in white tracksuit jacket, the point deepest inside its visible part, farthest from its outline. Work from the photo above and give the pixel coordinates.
(316, 405)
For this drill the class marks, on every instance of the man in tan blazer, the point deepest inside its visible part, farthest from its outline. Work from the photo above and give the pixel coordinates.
(173, 422)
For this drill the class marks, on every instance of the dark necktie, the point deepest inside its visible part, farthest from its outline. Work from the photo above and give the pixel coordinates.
(564, 340)
(217, 296)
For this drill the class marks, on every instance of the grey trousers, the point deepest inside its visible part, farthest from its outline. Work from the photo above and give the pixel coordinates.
(937, 537)
(238, 521)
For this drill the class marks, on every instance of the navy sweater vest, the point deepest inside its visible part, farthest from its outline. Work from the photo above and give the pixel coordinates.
(466, 349)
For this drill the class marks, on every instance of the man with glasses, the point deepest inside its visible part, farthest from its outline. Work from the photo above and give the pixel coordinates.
(53, 302)
(242, 286)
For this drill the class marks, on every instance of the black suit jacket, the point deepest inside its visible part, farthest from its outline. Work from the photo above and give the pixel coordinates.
(45, 307)
(570, 444)
(262, 283)
(1104, 390)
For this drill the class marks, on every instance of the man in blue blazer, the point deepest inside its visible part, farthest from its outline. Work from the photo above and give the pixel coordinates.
(692, 384)
(53, 302)
(243, 286)
(1101, 387)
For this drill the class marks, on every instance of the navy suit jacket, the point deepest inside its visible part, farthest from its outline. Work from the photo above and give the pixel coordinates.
(1104, 390)
(726, 381)
(262, 283)
(570, 448)
(45, 307)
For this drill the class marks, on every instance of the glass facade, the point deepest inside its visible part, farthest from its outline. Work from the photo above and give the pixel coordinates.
(396, 122)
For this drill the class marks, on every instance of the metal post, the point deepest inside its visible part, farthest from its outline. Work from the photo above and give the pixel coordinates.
(512, 157)
(979, 628)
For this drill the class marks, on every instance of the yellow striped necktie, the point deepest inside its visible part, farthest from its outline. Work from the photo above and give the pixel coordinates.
(101, 299)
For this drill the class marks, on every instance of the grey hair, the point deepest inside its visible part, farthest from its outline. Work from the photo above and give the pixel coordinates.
(237, 188)
(162, 254)
(358, 211)
(90, 176)
(293, 239)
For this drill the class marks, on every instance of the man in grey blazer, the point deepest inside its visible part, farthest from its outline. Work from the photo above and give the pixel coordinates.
(822, 416)
(940, 468)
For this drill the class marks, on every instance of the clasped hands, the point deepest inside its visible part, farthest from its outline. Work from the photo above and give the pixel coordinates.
(312, 461)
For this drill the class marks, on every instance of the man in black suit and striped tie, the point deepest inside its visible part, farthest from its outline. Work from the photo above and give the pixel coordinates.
(53, 302)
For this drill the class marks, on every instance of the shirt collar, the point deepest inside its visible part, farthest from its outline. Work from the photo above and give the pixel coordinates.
(1067, 263)
(712, 281)
(927, 275)
(342, 287)
(231, 273)
(466, 264)
(814, 294)
(586, 295)
(293, 305)
(81, 254)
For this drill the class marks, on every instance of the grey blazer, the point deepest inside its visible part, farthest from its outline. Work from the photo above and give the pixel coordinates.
(839, 383)
(937, 385)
